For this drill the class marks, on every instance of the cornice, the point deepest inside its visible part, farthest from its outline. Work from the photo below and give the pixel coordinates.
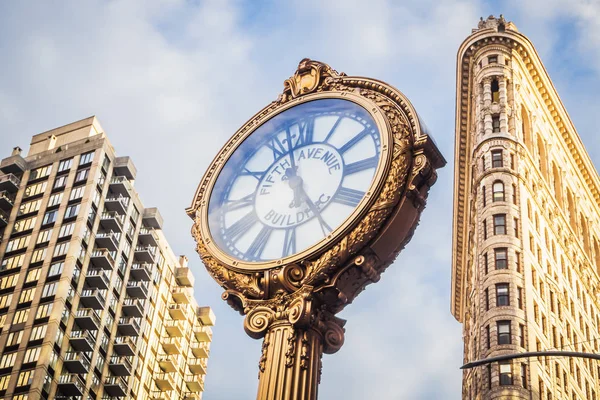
(521, 46)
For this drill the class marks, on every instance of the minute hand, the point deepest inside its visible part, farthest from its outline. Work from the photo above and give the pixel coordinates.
(316, 211)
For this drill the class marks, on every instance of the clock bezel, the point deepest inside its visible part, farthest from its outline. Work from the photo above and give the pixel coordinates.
(216, 167)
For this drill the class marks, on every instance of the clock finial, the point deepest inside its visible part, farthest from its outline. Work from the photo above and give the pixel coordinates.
(309, 76)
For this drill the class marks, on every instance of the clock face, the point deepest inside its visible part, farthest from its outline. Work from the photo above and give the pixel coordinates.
(294, 181)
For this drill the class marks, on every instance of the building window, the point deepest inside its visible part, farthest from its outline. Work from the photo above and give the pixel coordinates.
(64, 165)
(500, 224)
(38, 255)
(516, 226)
(506, 377)
(61, 249)
(56, 269)
(483, 195)
(498, 191)
(82, 175)
(501, 258)
(484, 229)
(77, 193)
(18, 243)
(496, 95)
(485, 263)
(24, 224)
(86, 158)
(489, 376)
(493, 59)
(488, 337)
(55, 199)
(34, 189)
(72, 211)
(66, 230)
(522, 335)
(25, 378)
(524, 375)
(504, 332)
(60, 181)
(20, 316)
(487, 299)
(495, 124)
(496, 158)
(44, 236)
(29, 207)
(49, 217)
(520, 297)
(40, 172)
(502, 295)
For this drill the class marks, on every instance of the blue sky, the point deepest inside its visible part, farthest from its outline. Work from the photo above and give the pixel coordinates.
(171, 81)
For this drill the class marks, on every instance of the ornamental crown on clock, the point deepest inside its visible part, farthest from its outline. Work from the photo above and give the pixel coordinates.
(295, 180)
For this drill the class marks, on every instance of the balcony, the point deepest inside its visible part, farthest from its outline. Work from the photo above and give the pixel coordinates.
(123, 166)
(120, 185)
(183, 276)
(14, 164)
(124, 346)
(199, 350)
(174, 328)
(197, 365)
(158, 395)
(107, 240)
(128, 326)
(82, 340)
(164, 381)
(87, 318)
(145, 253)
(147, 237)
(202, 333)
(120, 366)
(151, 218)
(178, 311)
(111, 221)
(137, 290)
(132, 308)
(9, 183)
(71, 385)
(117, 204)
(206, 316)
(195, 383)
(115, 386)
(141, 271)
(102, 258)
(3, 219)
(7, 200)
(97, 278)
(92, 298)
(168, 363)
(181, 295)
(76, 362)
(172, 345)
(191, 396)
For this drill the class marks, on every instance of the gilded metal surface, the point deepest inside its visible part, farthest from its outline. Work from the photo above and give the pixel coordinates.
(292, 302)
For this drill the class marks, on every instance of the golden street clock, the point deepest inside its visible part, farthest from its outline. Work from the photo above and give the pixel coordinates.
(297, 181)
(305, 205)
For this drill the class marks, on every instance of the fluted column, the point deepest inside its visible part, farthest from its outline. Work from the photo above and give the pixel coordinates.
(294, 340)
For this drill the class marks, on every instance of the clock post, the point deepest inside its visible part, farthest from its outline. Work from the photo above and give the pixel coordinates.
(307, 204)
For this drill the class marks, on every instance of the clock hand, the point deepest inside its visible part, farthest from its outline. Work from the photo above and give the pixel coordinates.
(295, 183)
(290, 150)
(316, 211)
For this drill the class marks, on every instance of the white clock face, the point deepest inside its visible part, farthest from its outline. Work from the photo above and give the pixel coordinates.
(294, 180)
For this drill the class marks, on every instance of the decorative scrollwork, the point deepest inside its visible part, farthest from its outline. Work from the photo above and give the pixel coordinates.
(333, 337)
(257, 321)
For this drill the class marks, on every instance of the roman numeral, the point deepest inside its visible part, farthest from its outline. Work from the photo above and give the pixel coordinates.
(354, 140)
(257, 174)
(333, 128)
(235, 231)
(240, 203)
(361, 165)
(277, 147)
(307, 131)
(289, 242)
(259, 243)
(349, 197)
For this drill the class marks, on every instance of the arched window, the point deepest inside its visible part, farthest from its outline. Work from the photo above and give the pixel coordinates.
(526, 129)
(498, 191)
(541, 156)
(557, 183)
(585, 234)
(571, 211)
(597, 255)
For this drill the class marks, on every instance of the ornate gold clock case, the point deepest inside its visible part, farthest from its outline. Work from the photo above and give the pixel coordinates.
(307, 204)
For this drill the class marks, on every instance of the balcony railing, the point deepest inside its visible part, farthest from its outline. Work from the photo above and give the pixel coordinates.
(115, 386)
(137, 290)
(200, 350)
(120, 366)
(71, 385)
(124, 346)
(108, 240)
(145, 253)
(181, 295)
(3, 219)
(97, 278)
(178, 311)
(164, 381)
(141, 271)
(7, 200)
(92, 298)
(76, 362)
(9, 183)
(172, 345)
(111, 221)
(202, 333)
(175, 328)
(147, 236)
(118, 203)
(128, 326)
(82, 340)
(87, 318)
(120, 185)
(195, 383)
(133, 307)
(197, 365)
(102, 258)
(168, 363)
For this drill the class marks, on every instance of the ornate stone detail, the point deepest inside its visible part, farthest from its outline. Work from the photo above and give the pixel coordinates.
(307, 79)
